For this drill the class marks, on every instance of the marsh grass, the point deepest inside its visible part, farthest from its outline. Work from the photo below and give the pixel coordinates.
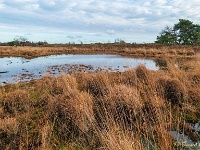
(131, 50)
(129, 110)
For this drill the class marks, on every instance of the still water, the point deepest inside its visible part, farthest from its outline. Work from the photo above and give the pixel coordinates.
(16, 69)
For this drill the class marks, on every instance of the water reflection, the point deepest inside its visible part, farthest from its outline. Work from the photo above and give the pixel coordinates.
(15, 69)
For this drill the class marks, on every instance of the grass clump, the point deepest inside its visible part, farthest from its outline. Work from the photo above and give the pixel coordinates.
(171, 90)
(15, 102)
(135, 109)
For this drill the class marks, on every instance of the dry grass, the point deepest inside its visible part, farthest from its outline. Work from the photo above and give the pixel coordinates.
(130, 110)
(131, 50)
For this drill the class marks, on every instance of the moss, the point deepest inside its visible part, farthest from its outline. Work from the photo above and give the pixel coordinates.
(68, 146)
(29, 130)
(34, 97)
(191, 118)
(7, 138)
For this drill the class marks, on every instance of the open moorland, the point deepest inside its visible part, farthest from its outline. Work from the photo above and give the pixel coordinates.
(137, 109)
(125, 49)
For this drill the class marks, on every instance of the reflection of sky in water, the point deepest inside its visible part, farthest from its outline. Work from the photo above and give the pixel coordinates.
(186, 140)
(182, 139)
(18, 66)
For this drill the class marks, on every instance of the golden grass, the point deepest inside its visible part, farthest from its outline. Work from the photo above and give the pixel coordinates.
(8, 124)
(131, 50)
(129, 110)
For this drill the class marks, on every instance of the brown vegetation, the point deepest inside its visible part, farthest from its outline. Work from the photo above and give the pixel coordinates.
(131, 50)
(129, 110)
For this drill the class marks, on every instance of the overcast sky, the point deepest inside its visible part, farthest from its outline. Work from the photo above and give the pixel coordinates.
(89, 21)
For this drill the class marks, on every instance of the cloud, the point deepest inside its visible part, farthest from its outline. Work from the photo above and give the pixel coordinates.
(91, 16)
(29, 34)
(110, 32)
(71, 37)
(79, 36)
(74, 36)
(98, 34)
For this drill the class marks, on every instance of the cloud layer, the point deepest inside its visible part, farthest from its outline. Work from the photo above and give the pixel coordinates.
(61, 20)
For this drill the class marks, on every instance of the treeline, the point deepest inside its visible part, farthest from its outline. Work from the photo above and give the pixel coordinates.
(26, 43)
(185, 32)
(22, 41)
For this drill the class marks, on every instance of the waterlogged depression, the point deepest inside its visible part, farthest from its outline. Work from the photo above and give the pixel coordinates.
(16, 69)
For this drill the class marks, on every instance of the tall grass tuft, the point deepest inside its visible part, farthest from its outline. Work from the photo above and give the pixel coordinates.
(135, 109)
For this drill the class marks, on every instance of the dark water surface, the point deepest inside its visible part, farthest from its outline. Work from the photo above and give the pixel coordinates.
(16, 69)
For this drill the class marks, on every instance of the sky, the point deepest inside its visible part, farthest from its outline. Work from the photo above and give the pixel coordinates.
(92, 21)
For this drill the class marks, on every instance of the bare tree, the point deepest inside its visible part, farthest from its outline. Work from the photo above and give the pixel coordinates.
(22, 40)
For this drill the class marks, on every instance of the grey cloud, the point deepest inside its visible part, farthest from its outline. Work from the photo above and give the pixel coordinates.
(98, 34)
(74, 37)
(71, 37)
(79, 36)
(107, 17)
(52, 5)
(18, 4)
(29, 34)
(110, 32)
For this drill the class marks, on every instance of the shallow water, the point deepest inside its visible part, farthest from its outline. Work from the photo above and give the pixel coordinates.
(16, 69)
(184, 140)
